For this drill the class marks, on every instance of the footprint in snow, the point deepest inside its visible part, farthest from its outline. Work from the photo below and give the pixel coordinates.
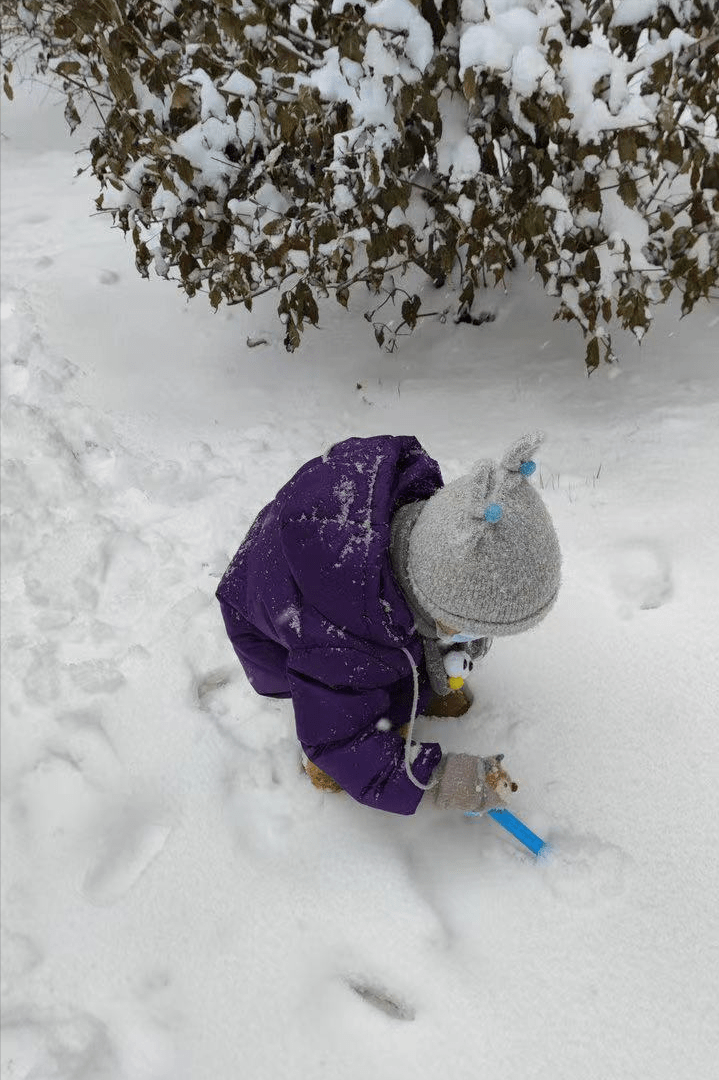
(127, 847)
(20, 953)
(207, 684)
(128, 1040)
(108, 277)
(96, 676)
(584, 870)
(56, 1042)
(641, 576)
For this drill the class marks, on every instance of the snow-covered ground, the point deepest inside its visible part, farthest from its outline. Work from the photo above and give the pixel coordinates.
(178, 902)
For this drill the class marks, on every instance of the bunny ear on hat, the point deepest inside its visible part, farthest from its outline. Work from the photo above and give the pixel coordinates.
(520, 453)
(517, 464)
(484, 479)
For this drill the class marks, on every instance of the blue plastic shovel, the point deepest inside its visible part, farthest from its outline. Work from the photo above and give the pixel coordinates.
(517, 828)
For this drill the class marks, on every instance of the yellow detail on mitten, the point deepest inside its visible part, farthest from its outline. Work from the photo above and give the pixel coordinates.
(455, 682)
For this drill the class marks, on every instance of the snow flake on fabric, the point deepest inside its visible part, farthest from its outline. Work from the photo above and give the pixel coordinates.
(345, 492)
(291, 617)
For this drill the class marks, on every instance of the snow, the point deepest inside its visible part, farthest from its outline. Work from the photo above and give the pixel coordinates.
(484, 46)
(212, 103)
(178, 902)
(530, 71)
(553, 198)
(331, 80)
(630, 12)
(509, 38)
(239, 85)
(343, 198)
(457, 152)
(403, 15)
(345, 492)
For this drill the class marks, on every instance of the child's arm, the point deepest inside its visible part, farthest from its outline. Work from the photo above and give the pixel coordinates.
(343, 728)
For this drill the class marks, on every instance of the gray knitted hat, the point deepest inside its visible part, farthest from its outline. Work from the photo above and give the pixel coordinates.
(483, 554)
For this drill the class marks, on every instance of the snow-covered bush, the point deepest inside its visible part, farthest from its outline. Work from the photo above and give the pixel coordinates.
(249, 145)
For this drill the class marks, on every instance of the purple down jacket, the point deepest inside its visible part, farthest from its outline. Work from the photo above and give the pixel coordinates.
(314, 613)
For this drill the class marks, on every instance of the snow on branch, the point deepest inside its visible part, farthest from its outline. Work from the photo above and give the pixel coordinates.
(250, 145)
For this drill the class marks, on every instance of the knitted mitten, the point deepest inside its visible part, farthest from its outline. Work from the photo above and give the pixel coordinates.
(471, 783)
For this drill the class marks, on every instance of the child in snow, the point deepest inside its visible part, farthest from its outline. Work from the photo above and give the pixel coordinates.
(364, 583)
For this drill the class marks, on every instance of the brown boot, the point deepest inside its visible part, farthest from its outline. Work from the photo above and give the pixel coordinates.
(448, 706)
(319, 777)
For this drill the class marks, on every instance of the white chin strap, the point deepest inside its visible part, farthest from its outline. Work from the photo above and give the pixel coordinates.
(408, 743)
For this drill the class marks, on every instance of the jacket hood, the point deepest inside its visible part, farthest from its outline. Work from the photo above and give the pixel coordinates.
(335, 516)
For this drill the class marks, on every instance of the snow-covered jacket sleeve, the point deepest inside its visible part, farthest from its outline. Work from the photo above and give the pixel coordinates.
(343, 727)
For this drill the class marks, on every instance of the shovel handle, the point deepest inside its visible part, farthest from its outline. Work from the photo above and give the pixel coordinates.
(518, 829)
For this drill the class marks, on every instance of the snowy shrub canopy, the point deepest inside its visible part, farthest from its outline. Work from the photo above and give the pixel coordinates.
(250, 145)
